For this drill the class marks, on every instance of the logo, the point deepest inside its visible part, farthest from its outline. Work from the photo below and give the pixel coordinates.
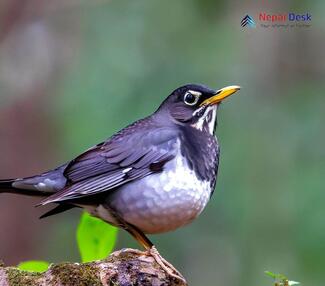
(248, 21)
(278, 20)
(283, 17)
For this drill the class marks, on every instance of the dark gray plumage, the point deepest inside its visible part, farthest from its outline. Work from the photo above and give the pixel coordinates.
(143, 174)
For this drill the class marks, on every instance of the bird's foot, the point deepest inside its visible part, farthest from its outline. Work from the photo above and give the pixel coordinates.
(165, 265)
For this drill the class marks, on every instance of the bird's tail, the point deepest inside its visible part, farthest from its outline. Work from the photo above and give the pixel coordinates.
(42, 185)
(30, 187)
(7, 186)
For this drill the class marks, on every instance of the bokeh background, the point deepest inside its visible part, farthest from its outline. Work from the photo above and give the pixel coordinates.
(74, 72)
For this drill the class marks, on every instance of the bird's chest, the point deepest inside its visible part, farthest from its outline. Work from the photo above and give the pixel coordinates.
(164, 201)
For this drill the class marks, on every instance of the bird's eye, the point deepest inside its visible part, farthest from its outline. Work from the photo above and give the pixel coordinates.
(190, 98)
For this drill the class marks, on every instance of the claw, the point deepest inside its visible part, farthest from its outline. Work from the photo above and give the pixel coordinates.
(165, 265)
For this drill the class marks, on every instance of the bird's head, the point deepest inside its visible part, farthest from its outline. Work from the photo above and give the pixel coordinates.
(196, 105)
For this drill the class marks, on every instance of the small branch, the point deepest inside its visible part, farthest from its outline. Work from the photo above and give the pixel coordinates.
(121, 268)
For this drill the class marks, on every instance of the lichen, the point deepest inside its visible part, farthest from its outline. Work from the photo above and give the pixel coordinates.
(126, 267)
(18, 277)
(124, 255)
(72, 274)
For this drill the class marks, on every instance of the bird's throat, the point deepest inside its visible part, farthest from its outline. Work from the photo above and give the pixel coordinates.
(207, 122)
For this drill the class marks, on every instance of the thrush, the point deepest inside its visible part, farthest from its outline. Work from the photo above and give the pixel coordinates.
(153, 176)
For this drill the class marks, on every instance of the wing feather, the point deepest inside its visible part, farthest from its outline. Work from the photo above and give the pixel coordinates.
(127, 156)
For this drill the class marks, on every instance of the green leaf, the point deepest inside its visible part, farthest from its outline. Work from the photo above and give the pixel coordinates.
(269, 273)
(34, 266)
(281, 279)
(96, 238)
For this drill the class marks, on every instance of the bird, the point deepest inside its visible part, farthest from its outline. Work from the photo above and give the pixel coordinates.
(154, 176)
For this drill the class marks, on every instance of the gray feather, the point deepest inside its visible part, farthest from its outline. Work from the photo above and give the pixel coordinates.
(117, 162)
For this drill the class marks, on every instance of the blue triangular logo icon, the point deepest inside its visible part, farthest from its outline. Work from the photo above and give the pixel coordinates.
(248, 21)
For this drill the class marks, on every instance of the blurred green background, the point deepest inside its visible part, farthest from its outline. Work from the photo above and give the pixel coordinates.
(74, 72)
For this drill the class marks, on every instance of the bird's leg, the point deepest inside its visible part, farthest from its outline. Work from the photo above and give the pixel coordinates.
(120, 222)
(152, 251)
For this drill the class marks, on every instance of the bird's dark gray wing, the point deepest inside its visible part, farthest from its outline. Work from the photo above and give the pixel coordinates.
(133, 153)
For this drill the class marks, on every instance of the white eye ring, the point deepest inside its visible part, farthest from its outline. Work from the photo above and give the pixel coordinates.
(196, 98)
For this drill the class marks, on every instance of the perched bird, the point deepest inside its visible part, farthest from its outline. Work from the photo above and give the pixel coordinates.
(153, 176)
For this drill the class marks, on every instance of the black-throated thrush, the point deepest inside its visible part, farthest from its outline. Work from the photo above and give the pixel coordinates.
(153, 176)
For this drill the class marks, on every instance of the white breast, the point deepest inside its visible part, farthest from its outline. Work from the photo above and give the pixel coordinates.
(164, 201)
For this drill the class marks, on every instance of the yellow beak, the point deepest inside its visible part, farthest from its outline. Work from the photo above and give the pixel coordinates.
(221, 94)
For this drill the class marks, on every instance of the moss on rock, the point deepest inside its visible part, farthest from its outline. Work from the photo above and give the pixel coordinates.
(18, 277)
(76, 274)
(126, 267)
